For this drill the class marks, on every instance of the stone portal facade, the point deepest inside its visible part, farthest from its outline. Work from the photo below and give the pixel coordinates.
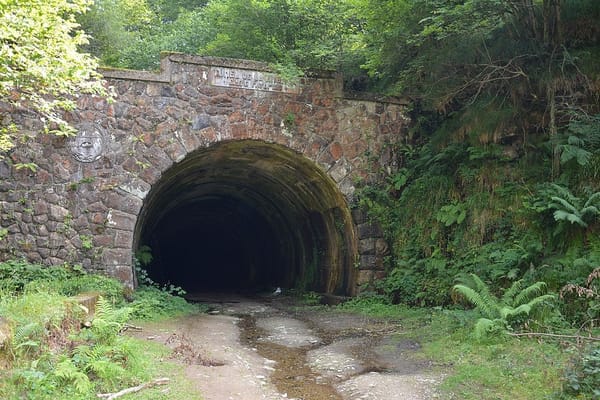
(81, 203)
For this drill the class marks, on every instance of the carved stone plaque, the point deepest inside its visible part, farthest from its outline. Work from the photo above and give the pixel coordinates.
(248, 79)
(88, 145)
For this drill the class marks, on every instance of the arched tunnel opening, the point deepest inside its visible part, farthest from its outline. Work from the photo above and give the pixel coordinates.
(248, 216)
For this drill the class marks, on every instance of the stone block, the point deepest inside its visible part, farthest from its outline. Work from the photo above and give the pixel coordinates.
(121, 220)
(58, 213)
(200, 122)
(340, 170)
(368, 230)
(365, 277)
(336, 151)
(366, 246)
(176, 151)
(359, 216)
(124, 273)
(112, 258)
(123, 239)
(381, 247)
(367, 262)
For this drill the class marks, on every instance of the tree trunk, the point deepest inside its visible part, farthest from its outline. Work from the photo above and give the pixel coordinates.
(552, 25)
(552, 129)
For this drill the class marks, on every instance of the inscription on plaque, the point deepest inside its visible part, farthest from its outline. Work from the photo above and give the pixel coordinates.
(247, 79)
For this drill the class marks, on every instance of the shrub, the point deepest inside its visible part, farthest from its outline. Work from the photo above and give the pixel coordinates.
(583, 379)
(150, 302)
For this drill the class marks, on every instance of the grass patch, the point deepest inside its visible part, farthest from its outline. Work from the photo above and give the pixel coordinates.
(154, 362)
(501, 368)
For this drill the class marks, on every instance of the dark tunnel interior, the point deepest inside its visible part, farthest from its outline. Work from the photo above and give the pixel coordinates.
(248, 216)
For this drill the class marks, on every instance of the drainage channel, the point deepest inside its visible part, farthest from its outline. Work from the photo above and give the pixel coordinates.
(291, 375)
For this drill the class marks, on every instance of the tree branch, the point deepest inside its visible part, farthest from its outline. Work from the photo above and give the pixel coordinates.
(155, 382)
(554, 335)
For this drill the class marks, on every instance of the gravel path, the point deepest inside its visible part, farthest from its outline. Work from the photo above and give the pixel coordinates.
(255, 350)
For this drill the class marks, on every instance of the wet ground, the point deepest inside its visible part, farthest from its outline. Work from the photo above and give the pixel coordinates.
(272, 348)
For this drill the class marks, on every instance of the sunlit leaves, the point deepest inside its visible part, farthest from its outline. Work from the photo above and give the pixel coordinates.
(41, 68)
(307, 33)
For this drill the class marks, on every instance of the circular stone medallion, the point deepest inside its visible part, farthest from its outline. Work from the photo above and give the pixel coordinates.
(88, 144)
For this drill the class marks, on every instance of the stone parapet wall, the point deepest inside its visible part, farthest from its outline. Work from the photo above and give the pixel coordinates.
(81, 203)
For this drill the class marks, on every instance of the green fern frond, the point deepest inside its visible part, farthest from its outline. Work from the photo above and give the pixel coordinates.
(560, 215)
(488, 300)
(526, 308)
(591, 211)
(475, 282)
(499, 313)
(483, 303)
(103, 308)
(107, 370)
(509, 312)
(480, 285)
(564, 204)
(67, 371)
(564, 193)
(509, 295)
(547, 298)
(592, 199)
(109, 321)
(28, 345)
(28, 339)
(529, 293)
(485, 327)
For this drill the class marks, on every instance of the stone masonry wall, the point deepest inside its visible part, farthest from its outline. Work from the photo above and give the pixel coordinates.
(80, 204)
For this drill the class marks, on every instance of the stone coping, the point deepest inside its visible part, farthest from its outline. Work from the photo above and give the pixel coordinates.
(168, 59)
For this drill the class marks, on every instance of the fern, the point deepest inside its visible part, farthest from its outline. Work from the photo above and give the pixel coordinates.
(485, 327)
(68, 372)
(499, 314)
(530, 293)
(472, 288)
(574, 150)
(108, 321)
(570, 208)
(512, 292)
(27, 339)
(107, 370)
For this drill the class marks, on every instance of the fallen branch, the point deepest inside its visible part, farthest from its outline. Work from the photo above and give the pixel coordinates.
(554, 335)
(156, 382)
(127, 327)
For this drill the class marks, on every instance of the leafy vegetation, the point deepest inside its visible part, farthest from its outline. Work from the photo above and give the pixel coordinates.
(500, 315)
(583, 378)
(41, 67)
(51, 353)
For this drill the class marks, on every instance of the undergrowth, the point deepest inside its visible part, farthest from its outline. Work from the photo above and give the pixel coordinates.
(51, 352)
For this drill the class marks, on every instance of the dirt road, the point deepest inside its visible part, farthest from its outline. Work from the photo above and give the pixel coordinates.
(268, 348)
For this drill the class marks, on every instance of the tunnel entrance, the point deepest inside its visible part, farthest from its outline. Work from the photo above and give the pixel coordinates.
(248, 216)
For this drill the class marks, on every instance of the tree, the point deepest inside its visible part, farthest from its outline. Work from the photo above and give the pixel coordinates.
(41, 69)
(117, 26)
(292, 35)
(526, 54)
(132, 33)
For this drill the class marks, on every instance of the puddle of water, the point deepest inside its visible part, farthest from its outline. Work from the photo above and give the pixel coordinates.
(291, 375)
